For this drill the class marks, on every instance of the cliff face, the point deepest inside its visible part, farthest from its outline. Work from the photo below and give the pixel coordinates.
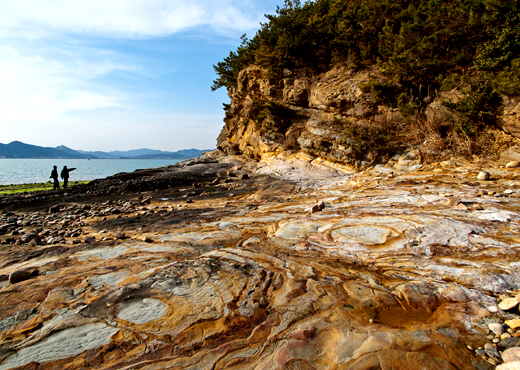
(335, 117)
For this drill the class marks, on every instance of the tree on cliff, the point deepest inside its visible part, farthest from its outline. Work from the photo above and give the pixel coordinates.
(418, 43)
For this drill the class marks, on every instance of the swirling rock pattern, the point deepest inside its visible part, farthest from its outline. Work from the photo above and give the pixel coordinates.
(392, 274)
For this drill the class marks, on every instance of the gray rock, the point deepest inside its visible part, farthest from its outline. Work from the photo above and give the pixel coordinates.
(491, 351)
(509, 343)
(90, 239)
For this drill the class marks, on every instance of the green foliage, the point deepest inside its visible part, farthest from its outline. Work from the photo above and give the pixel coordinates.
(448, 83)
(480, 108)
(407, 107)
(507, 81)
(273, 116)
(30, 188)
(378, 139)
(385, 92)
(414, 41)
(228, 69)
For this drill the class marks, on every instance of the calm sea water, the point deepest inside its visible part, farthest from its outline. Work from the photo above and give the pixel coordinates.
(26, 171)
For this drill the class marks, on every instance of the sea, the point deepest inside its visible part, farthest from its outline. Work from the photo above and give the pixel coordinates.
(29, 171)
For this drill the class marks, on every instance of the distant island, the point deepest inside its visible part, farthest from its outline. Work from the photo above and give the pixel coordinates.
(17, 149)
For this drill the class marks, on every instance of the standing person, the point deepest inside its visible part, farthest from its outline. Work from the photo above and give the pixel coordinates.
(65, 175)
(54, 176)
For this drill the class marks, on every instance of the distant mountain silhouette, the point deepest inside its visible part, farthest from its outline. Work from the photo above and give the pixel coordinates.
(147, 154)
(17, 149)
(70, 151)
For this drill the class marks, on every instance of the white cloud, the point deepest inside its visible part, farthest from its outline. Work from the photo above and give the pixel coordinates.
(125, 18)
(58, 85)
(33, 88)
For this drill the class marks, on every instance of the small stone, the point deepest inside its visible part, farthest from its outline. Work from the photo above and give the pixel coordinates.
(509, 343)
(476, 207)
(513, 324)
(90, 239)
(18, 276)
(492, 361)
(508, 191)
(147, 239)
(120, 236)
(508, 304)
(315, 208)
(480, 352)
(461, 206)
(513, 164)
(76, 241)
(496, 340)
(496, 328)
(189, 201)
(33, 243)
(483, 175)
(470, 347)
(491, 351)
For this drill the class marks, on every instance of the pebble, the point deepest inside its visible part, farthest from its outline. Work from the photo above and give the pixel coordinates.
(513, 164)
(513, 324)
(508, 304)
(496, 328)
(483, 175)
(491, 351)
(509, 343)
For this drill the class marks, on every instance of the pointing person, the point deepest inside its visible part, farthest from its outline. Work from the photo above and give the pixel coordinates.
(65, 175)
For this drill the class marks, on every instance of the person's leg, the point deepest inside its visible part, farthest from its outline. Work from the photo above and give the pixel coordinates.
(65, 181)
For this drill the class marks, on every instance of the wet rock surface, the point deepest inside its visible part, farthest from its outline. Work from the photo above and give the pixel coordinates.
(294, 266)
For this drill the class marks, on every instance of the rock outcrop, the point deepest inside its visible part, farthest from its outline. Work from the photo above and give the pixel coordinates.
(311, 114)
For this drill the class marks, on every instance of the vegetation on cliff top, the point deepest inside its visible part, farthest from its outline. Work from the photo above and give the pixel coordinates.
(422, 47)
(419, 44)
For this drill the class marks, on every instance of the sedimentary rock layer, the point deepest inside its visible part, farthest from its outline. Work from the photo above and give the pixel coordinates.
(392, 271)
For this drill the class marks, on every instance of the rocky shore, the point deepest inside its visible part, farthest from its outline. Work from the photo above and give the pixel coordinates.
(226, 262)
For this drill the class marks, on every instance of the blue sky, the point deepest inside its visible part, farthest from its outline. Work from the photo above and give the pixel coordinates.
(118, 74)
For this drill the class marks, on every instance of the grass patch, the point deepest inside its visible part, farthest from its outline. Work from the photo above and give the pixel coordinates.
(31, 188)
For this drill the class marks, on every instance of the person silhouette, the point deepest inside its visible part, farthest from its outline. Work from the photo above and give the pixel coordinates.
(65, 175)
(54, 176)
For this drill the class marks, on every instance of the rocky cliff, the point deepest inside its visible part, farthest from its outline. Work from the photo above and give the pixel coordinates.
(337, 118)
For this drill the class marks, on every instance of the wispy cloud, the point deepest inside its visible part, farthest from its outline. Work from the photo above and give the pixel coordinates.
(109, 71)
(124, 18)
(36, 88)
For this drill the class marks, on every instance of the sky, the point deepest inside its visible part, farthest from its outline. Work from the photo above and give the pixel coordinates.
(118, 74)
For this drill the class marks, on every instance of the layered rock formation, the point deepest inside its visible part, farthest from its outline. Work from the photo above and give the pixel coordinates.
(396, 270)
(320, 116)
